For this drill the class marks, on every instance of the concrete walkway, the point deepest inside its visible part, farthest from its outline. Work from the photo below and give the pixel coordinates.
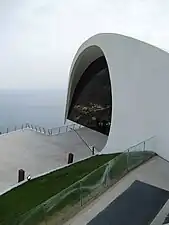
(154, 172)
(36, 153)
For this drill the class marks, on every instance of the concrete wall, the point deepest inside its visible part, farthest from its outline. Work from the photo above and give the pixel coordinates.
(139, 76)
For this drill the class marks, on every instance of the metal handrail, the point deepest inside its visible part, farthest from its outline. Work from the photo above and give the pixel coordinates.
(133, 146)
(82, 139)
(43, 130)
(49, 203)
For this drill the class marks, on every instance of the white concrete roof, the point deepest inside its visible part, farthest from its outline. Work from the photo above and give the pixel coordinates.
(37, 153)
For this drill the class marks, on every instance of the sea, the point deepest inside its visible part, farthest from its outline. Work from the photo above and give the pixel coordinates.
(38, 107)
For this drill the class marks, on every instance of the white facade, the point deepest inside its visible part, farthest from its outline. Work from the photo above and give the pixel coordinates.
(139, 75)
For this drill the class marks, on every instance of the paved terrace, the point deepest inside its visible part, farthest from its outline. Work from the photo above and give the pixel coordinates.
(37, 153)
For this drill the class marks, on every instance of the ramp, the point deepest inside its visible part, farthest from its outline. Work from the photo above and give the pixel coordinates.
(139, 204)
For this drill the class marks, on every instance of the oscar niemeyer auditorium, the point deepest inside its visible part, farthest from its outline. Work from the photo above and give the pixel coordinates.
(117, 98)
(119, 86)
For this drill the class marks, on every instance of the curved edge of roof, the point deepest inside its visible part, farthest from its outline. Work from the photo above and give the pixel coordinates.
(92, 42)
(121, 36)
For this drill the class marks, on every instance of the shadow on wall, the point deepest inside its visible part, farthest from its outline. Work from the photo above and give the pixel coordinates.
(91, 104)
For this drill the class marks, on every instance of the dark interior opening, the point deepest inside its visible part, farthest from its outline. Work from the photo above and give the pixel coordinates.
(91, 104)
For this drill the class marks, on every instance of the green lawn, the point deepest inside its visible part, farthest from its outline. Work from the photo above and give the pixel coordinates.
(27, 196)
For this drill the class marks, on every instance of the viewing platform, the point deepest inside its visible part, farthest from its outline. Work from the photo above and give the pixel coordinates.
(39, 153)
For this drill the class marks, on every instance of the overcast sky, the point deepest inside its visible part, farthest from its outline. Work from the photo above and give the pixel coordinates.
(38, 38)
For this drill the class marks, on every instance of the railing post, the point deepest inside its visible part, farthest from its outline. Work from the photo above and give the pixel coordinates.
(15, 128)
(144, 147)
(74, 126)
(80, 193)
(44, 131)
(93, 150)
(128, 152)
(59, 131)
(22, 127)
(107, 178)
(51, 132)
(44, 214)
(7, 130)
(40, 129)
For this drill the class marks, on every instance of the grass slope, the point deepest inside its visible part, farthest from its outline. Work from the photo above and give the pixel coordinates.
(27, 196)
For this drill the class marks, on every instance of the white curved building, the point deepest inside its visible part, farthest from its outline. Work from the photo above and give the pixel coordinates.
(138, 96)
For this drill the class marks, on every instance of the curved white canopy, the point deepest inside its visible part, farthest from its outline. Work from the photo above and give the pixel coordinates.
(139, 75)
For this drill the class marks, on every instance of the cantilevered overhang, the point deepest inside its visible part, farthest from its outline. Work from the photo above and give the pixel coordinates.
(140, 89)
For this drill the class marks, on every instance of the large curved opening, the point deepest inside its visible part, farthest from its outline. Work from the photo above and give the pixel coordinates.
(91, 101)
